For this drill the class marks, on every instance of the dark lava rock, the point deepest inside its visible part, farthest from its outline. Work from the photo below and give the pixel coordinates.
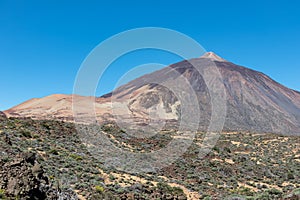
(24, 178)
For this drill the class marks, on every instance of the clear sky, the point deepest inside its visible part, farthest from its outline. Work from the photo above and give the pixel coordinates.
(43, 43)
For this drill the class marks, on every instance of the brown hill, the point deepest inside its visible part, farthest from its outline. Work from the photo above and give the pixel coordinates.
(254, 101)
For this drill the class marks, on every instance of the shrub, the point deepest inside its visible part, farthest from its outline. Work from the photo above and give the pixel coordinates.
(76, 157)
(53, 151)
(2, 194)
(242, 191)
(111, 177)
(99, 189)
(290, 175)
(274, 191)
(207, 198)
(297, 191)
(26, 134)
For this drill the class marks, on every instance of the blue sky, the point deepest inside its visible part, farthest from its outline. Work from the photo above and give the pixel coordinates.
(43, 43)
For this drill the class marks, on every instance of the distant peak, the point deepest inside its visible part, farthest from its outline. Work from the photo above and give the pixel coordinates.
(212, 56)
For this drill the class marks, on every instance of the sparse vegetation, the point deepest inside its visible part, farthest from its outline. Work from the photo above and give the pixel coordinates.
(240, 166)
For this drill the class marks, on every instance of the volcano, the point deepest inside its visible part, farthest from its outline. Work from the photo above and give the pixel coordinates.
(253, 100)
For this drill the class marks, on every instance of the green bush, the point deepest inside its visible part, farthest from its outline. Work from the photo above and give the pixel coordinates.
(26, 134)
(99, 189)
(111, 177)
(296, 191)
(76, 157)
(207, 198)
(2, 194)
(290, 175)
(53, 151)
(243, 191)
(274, 191)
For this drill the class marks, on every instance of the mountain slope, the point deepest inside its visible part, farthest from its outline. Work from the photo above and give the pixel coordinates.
(56, 106)
(254, 101)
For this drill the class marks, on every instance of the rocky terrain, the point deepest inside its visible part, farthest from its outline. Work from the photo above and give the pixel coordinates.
(45, 159)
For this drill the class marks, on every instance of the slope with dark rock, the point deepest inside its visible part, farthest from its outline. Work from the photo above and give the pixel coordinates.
(254, 101)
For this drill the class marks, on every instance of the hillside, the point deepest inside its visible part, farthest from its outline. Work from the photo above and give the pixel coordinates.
(248, 165)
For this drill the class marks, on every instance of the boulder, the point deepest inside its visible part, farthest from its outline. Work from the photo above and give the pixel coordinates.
(25, 178)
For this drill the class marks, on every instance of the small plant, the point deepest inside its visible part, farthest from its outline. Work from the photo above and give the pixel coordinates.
(26, 134)
(216, 149)
(76, 157)
(46, 125)
(99, 189)
(207, 198)
(290, 175)
(53, 151)
(274, 191)
(2, 194)
(6, 159)
(111, 177)
(297, 191)
(295, 194)
(242, 191)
